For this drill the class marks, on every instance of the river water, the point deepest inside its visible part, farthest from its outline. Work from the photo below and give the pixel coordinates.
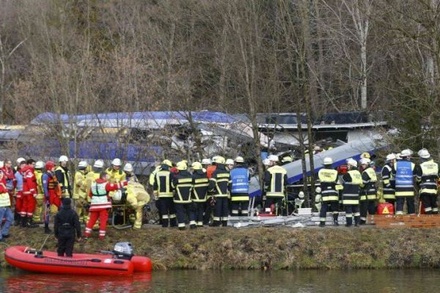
(381, 281)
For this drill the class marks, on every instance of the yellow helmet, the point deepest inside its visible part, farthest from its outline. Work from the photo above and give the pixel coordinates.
(181, 166)
(366, 155)
(167, 162)
(197, 166)
(219, 160)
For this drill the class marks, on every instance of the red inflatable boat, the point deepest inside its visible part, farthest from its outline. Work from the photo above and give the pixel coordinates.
(29, 259)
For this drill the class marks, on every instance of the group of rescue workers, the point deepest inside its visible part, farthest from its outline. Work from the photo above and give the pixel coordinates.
(207, 192)
(32, 192)
(357, 188)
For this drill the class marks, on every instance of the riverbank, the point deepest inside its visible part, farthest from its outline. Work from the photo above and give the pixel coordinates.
(274, 248)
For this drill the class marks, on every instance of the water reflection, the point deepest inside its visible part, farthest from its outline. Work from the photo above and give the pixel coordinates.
(380, 281)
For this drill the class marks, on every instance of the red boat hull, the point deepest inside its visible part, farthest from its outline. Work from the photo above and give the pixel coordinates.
(83, 264)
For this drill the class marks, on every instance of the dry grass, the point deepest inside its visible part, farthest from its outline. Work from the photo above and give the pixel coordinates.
(277, 248)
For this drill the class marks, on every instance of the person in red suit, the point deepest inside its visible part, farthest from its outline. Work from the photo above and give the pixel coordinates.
(29, 194)
(100, 203)
(52, 194)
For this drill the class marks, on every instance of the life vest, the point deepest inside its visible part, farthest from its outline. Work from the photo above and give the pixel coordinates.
(429, 177)
(328, 179)
(277, 183)
(99, 199)
(352, 185)
(239, 184)
(404, 178)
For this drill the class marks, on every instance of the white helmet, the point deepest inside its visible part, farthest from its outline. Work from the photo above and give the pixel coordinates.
(99, 164)
(424, 154)
(116, 162)
(328, 161)
(365, 161)
(128, 167)
(266, 162)
(229, 162)
(82, 164)
(406, 153)
(19, 160)
(239, 159)
(206, 162)
(352, 162)
(63, 159)
(391, 157)
(39, 165)
(2, 164)
(117, 195)
(273, 158)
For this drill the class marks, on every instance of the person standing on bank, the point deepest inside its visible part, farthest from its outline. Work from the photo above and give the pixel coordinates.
(5, 209)
(351, 181)
(64, 177)
(427, 174)
(66, 227)
(328, 178)
(239, 185)
(388, 179)
(368, 191)
(405, 183)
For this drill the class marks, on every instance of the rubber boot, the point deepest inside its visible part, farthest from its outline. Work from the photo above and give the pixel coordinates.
(47, 230)
(23, 221)
(322, 224)
(357, 220)
(335, 219)
(164, 223)
(224, 223)
(349, 221)
(215, 223)
(17, 219)
(173, 222)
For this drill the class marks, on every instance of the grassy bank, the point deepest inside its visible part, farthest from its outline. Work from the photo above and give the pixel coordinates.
(272, 248)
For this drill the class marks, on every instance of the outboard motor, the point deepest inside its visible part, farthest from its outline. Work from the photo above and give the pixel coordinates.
(123, 250)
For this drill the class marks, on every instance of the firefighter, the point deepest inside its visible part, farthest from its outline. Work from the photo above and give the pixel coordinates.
(199, 193)
(37, 217)
(115, 173)
(351, 181)
(163, 190)
(29, 194)
(79, 191)
(182, 186)
(66, 227)
(205, 163)
(5, 209)
(328, 178)
(427, 175)
(100, 203)
(52, 194)
(129, 173)
(239, 188)
(64, 177)
(368, 194)
(219, 188)
(229, 164)
(275, 181)
(405, 183)
(388, 179)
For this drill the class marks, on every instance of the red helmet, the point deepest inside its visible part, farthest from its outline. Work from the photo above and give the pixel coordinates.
(49, 165)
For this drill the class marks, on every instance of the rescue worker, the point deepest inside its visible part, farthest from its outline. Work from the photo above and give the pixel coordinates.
(80, 192)
(275, 181)
(64, 177)
(100, 203)
(205, 163)
(388, 179)
(328, 178)
(21, 162)
(5, 209)
(38, 212)
(66, 227)
(29, 194)
(427, 175)
(92, 176)
(239, 188)
(286, 160)
(182, 186)
(219, 188)
(351, 181)
(163, 190)
(368, 194)
(115, 173)
(199, 193)
(405, 183)
(129, 173)
(52, 194)
(9, 177)
(229, 164)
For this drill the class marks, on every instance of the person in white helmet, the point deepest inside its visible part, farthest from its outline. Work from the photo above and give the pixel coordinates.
(115, 172)
(21, 163)
(239, 188)
(388, 175)
(427, 175)
(64, 177)
(328, 178)
(351, 181)
(275, 182)
(405, 183)
(129, 173)
(368, 194)
(79, 192)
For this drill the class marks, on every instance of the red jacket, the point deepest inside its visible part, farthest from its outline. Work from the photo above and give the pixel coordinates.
(29, 180)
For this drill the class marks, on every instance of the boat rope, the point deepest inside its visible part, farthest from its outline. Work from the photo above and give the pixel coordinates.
(44, 242)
